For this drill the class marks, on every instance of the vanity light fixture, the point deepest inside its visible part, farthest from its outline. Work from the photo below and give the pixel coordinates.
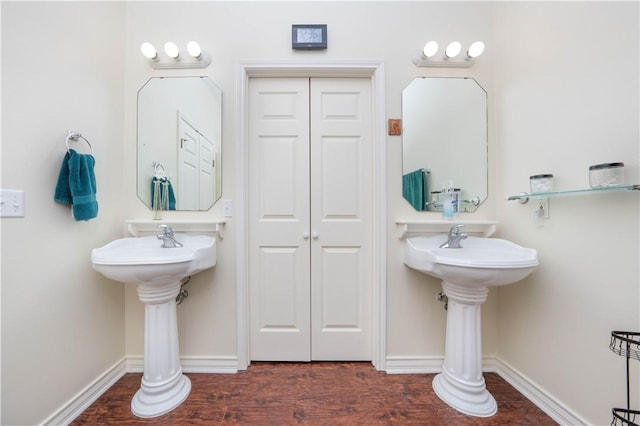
(430, 49)
(196, 57)
(452, 50)
(149, 51)
(194, 49)
(475, 50)
(450, 58)
(172, 51)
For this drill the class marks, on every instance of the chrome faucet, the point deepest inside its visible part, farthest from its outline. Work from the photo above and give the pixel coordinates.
(168, 240)
(454, 238)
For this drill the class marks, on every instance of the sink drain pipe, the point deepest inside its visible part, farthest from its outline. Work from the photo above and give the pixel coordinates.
(183, 293)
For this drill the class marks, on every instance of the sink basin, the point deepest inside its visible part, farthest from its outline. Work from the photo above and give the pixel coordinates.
(157, 273)
(480, 261)
(143, 260)
(466, 274)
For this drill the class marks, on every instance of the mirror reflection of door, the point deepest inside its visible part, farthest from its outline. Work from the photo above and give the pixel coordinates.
(207, 173)
(196, 167)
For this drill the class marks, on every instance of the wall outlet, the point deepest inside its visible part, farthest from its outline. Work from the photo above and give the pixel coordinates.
(11, 203)
(226, 208)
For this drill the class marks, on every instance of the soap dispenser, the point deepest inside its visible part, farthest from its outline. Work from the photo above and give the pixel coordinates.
(449, 202)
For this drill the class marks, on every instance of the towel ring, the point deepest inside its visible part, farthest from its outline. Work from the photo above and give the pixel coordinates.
(74, 136)
(159, 170)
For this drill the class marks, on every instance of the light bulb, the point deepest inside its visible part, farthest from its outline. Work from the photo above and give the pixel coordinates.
(430, 49)
(148, 50)
(453, 49)
(475, 49)
(194, 49)
(171, 50)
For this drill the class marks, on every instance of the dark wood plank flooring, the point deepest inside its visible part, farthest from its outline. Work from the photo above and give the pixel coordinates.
(324, 393)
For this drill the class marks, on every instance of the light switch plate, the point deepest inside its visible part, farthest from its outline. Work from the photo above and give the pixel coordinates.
(11, 203)
(227, 206)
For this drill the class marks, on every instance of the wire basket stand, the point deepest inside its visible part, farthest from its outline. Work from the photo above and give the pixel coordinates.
(626, 344)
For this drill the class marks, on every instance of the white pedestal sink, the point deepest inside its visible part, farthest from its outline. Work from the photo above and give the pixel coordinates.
(157, 273)
(466, 274)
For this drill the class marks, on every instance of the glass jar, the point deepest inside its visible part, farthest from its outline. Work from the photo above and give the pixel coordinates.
(606, 174)
(541, 183)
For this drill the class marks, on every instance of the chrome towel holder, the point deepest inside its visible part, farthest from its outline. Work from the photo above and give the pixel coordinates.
(74, 136)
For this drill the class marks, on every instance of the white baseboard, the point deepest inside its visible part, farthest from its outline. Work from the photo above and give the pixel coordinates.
(538, 395)
(414, 364)
(534, 393)
(73, 408)
(192, 364)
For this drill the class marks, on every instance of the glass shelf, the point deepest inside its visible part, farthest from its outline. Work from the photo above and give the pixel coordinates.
(526, 196)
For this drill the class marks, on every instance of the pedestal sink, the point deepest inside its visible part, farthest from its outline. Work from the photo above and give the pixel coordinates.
(466, 274)
(157, 272)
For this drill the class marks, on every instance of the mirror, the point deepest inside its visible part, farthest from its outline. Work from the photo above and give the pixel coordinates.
(444, 142)
(180, 143)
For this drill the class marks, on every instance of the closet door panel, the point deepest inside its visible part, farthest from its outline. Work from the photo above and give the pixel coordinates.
(340, 288)
(341, 194)
(278, 220)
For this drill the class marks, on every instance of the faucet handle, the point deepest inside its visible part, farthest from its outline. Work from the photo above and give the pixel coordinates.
(166, 229)
(455, 230)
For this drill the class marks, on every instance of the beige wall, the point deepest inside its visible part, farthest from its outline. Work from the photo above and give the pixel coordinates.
(557, 110)
(567, 99)
(62, 324)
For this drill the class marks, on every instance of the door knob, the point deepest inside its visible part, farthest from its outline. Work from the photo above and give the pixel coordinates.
(305, 235)
(315, 235)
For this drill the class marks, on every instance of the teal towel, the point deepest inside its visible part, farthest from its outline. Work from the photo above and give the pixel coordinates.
(165, 184)
(76, 185)
(63, 190)
(413, 189)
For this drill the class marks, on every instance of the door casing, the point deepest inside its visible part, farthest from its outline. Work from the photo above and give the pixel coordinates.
(373, 70)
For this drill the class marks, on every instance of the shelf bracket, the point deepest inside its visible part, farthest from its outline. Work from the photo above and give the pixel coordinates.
(522, 199)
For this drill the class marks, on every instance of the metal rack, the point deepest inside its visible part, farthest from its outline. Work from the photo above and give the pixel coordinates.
(626, 344)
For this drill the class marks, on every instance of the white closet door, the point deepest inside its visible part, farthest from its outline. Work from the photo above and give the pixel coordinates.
(279, 219)
(310, 219)
(341, 194)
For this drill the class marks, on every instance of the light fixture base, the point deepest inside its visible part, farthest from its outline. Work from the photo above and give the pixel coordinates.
(420, 61)
(185, 62)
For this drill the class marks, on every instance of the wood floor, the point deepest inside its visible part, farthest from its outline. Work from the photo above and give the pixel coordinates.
(349, 393)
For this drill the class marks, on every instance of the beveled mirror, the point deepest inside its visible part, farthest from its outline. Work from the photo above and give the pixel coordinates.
(180, 141)
(444, 142)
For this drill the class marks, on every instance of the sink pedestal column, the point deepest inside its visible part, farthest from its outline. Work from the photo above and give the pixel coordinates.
(163, 386)
(461, 384)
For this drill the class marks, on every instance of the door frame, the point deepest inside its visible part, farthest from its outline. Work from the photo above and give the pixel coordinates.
(374, 70)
